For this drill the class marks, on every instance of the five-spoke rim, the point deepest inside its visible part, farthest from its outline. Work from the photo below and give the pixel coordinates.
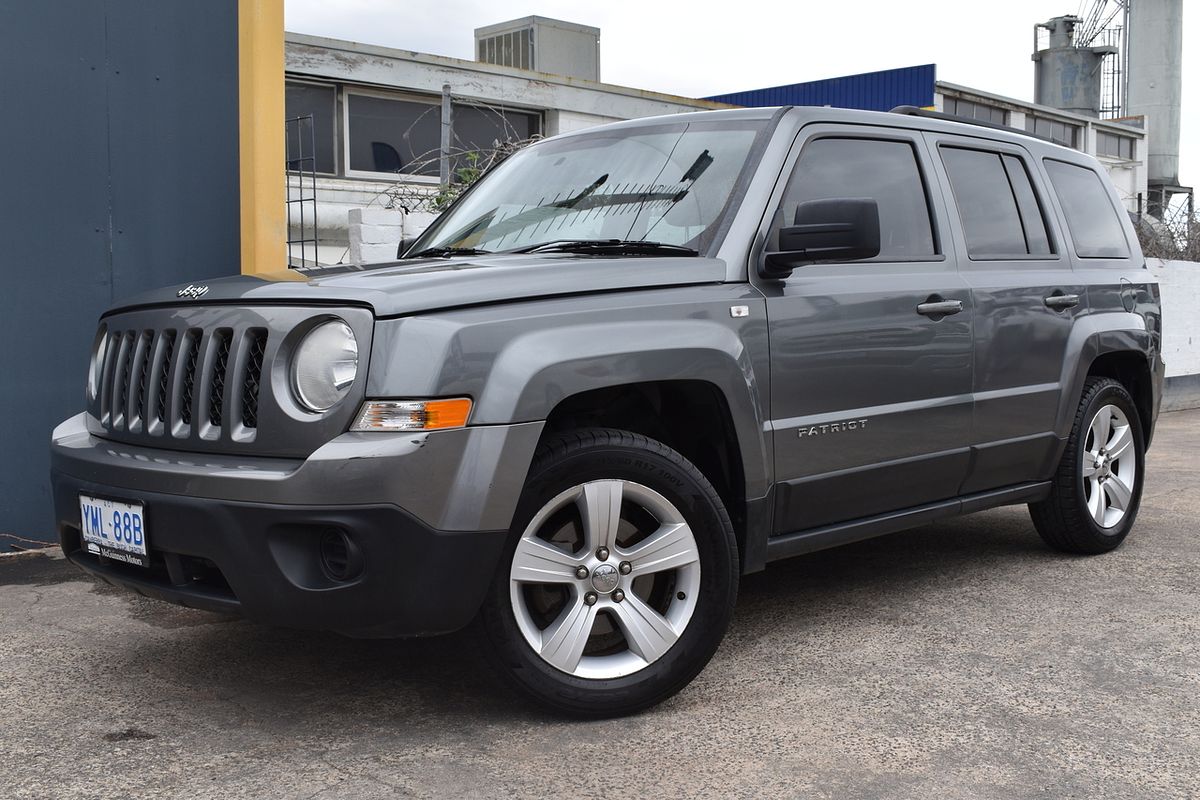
(605, 579)
(1109, 467)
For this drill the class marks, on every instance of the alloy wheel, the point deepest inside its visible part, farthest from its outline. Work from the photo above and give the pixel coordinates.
(605, 579)
(1109, 467)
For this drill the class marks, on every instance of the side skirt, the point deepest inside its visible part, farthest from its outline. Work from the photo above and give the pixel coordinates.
(786, 545)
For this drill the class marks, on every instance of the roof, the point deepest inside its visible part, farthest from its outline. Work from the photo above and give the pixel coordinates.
(366, 63)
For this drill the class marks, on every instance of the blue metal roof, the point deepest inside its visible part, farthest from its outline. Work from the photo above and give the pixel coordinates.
(872, 91)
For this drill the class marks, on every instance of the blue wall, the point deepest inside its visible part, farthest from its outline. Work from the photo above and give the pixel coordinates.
(120, 165)
(872, 91)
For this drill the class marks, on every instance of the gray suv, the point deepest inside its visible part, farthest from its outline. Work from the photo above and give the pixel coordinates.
(628, 366)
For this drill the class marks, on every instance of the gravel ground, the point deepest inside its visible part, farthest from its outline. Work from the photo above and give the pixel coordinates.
(961, 659)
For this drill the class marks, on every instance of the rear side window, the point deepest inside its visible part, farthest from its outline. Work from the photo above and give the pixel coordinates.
(886, 172)
(1093, 221)
(996, 203)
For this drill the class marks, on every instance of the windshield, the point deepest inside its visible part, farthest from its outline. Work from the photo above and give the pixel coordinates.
(668, 183)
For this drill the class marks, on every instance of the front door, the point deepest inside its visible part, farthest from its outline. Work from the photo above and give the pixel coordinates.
(871, 360)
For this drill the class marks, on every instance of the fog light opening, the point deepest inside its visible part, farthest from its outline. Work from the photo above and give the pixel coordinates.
(341, 559)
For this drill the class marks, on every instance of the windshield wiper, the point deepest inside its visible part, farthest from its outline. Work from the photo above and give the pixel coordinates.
(446, 252)
(617, 246)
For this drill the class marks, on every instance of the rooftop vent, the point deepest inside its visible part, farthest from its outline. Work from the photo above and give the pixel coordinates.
(541, 44)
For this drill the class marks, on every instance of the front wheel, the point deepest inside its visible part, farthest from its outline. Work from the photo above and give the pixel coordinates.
(620, 577)
(1098, 486)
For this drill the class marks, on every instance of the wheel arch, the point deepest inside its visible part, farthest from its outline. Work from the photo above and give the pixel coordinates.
(672, 412)
(1115, 345)
(690, 383)
(1132, 370)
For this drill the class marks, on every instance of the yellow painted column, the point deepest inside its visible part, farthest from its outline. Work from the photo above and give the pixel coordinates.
(261, 135)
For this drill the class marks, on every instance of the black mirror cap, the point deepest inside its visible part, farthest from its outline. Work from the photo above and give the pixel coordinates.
(833, 229)
(403, 247)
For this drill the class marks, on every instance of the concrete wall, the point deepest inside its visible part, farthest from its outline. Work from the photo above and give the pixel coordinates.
(1179, 282)
(120, 173)
(376, 232)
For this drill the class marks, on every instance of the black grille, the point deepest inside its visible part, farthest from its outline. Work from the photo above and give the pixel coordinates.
(216, 394)
(164, 375)
(257, 345)
(160, 382)
(191, 351)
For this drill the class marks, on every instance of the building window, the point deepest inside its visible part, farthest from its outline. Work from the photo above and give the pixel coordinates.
(1114, 145)
(304, 99)
(973, 110)
(1058, 132)
(394, 136)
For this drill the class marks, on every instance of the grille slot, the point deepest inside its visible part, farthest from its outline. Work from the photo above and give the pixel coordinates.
(143, 373)
(166, 355)
(256, 350)
(106, 376)
(216, 394)
(121, 375)
(191, 352)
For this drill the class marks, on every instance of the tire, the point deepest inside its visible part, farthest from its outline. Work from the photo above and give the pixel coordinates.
(1097, 488)
(595, 646)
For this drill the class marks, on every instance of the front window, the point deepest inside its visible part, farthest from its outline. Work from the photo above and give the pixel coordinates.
(669, 183)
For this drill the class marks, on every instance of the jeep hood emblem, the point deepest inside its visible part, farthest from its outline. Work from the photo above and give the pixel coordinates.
(192, 292)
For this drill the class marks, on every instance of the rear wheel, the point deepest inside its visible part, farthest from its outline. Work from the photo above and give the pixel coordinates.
(1098, 486)
(620, 578)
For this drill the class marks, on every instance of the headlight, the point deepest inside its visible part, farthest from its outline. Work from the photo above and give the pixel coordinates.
(96, 366)
(325, 365)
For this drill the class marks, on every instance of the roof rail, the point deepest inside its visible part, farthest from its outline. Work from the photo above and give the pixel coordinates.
(913, 111)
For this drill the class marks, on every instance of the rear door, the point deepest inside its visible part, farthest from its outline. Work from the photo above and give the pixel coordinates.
(1026, 297)
(870, 387)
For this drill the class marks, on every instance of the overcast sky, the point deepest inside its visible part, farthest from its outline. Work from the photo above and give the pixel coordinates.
(698, 49)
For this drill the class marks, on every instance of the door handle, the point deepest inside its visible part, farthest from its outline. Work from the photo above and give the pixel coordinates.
(936, 307)
(1061, 302)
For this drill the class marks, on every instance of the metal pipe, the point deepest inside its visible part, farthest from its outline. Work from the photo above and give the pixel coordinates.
(444, 155)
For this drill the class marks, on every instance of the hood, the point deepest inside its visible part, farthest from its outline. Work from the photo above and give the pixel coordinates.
(409, 287)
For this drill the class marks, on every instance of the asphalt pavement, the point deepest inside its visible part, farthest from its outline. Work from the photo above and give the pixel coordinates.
(962, 659)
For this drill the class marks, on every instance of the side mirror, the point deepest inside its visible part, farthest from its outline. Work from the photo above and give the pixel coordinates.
(835, 229)
(402, 247)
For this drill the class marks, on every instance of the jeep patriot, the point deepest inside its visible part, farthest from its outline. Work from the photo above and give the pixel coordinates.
(627, 366)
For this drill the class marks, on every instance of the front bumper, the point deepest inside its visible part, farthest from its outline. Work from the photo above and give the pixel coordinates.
(427, 512)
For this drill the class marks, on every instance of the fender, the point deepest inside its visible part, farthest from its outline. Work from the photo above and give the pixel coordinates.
(536, 371)
(1092, 336)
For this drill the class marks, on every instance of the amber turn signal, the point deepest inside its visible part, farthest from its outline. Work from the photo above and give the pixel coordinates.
(412, 415)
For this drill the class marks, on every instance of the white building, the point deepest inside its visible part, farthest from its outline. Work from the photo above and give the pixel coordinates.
(377, 121)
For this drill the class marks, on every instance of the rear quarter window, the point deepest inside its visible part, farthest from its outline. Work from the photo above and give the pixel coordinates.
(1091, 216)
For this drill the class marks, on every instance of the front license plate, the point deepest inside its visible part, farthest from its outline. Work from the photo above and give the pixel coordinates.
(114, 530)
